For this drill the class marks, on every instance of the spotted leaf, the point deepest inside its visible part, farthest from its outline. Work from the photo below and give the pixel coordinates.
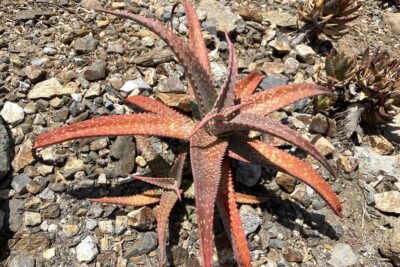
(146, 198)
(248, 85)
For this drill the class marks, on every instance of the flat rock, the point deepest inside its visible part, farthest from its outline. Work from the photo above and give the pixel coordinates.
(280, 45)
(13, 217)
(305, 53)
(153, 58)
(248, 174)
(24, 156)
(20, 182)
(85, 44)
(250, 219)
(32, 14)
(272, 81)
(221, 16)
(342, 255)
(180, 101)
(22, 260)
(131, 85)
(96, 71)
(35, 243)
(142, 245)
(281, 18)
(124, 150)
(388, 201)
(373, 163)
(90, 4)
(87, 250)
(4, 151)
(51, 88)
(12, 113)
(34, 73)
(392, 20)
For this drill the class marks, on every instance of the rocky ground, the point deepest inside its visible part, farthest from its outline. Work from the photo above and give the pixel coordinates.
(66, 65)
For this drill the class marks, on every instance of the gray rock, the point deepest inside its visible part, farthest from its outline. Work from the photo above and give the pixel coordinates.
(47, 194)
(143, 245)
(272, 81)
(142, 218)
(131, 85)
(85, 44)
(171, 84)
(50, 88)
(251, 221)
(342, 255)
(148, 41)
(87, 250)
(248, 174)
(221, 16)
(388, 201)
(30, 14)
(115, 47)
(91, 224)
(50, 51)
(123, 149)
(153, 58)
(281, 18)
(305, 53)
(22, 260)
(20, 182)
(12, 113)
(96, 71)
(13, 214)
(291, 66)
(90, 4)
(372, 163)
(4, 151)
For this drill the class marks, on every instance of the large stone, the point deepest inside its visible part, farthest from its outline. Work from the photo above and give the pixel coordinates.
(24, 156)
(123, 149)
(12, 113)
(22, 260)
(87, 250)
(180, 101)
(96, 71)
(142, 218)
(132, 85)
(388, 201)
(281, 18)
(20, 182)
(51, 88)
(371, 163)
(390, 245)
(85, 44)
(392, 20)
(250, 219)
(142, 245)
(4, 151)
(248, 174)
(305, 53)
(342, 255)
(153, 58)
(219, 15)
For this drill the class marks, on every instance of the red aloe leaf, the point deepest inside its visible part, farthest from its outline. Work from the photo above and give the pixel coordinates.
(146, 198)
(226, 203)
(166, 183)
(196, 40)
(141, 124)
(154, 106)
(177, 169)
(226, 95)
(167, 202)
(206, 153)
(248, 85)
(200, 80)
(248, 121)
(249, 199)
(264, 154)
(277, 97)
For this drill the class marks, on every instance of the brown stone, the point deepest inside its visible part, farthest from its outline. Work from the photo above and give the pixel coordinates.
(286, 182)
(24, 156)
(381, 145)
(180, 101)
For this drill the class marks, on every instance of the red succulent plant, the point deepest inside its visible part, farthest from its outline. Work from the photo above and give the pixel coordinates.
(226, 116)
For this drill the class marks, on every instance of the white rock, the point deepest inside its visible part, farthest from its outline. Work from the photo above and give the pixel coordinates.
(131, 85)
(342, 256)
(106, 227)
(32, 218)
(50, 88)
(87, 250)
(388, 201)
(50, 253)
(12, 113)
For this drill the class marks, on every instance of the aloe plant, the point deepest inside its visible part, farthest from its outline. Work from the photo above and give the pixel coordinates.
(216, 138)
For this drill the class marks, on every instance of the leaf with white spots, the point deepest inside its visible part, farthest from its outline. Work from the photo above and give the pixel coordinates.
(249, 199)
(249, 121)
(146, 198)
(165, 183)
(226, 203)
(264, 154)
(140, 124)
(248, 85)
(167, 202)
(206, 153)
(277, 97)
(154, 106)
